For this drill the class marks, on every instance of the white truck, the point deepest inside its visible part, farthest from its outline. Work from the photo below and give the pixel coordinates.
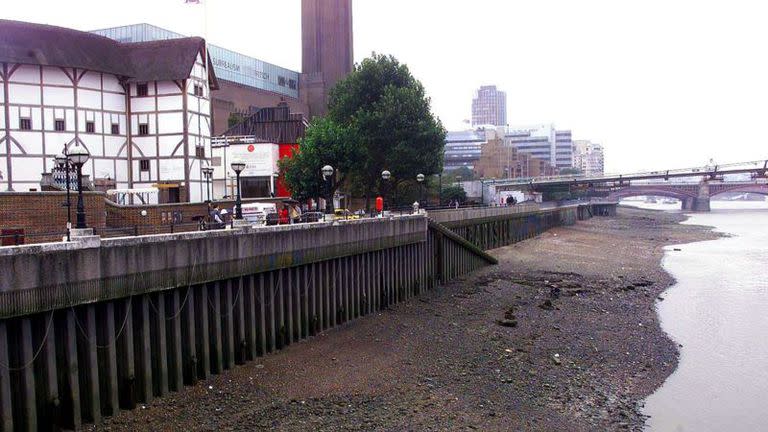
(256, 213)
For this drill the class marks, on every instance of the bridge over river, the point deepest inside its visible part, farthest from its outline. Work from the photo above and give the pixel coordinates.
(695, 197)
(93, 326)
(692, 186)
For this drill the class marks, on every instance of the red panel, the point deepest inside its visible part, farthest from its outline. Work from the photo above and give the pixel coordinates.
(285, 150)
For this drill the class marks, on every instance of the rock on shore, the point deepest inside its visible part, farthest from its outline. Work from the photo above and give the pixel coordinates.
(561, 335)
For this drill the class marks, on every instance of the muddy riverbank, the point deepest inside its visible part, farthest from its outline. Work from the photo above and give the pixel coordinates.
(561, 335)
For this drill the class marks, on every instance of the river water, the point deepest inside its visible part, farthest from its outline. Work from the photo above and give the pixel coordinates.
(718, 312)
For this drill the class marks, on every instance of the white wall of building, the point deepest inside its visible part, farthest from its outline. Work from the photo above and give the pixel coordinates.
(45, 94)
(589, 157)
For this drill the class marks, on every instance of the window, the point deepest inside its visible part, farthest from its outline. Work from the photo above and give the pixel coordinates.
(144, 129)
(200, 152)
(141, 89)
(59, 125)
(292, 84)
(115, 129)
(25, 124)
(198, 90)
(281, 81)
(90, 127)
(144, 165)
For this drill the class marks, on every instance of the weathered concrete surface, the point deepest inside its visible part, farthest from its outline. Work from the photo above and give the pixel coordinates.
(473, 214)
(47, 276)
(442, 363)
(134, 318)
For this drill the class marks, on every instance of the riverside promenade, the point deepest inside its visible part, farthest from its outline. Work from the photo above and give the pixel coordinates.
(92, 328)
(441, 361)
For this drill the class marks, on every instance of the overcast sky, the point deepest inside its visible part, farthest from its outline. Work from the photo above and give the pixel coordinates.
(661, 83)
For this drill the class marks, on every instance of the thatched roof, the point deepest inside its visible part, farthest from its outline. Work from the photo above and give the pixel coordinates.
(41, 44)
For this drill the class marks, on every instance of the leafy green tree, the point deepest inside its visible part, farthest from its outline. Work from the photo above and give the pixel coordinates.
(234, 119)
(452, 175)
(453, 193)
(389, 117)
(325, 143)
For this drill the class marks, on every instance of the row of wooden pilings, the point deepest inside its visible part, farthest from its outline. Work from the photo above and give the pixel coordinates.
(69, 366)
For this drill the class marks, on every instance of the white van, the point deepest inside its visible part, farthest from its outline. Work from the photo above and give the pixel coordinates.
(256, 213)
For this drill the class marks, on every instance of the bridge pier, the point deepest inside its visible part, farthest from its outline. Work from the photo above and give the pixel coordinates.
(699, 203)
(696, 204)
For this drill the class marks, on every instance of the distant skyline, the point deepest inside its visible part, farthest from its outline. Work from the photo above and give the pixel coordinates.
(660, 84)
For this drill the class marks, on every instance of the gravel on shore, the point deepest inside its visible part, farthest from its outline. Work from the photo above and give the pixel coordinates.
(562, 335)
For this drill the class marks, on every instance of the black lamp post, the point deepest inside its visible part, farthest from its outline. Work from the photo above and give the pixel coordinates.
(327, 172)
(78, 156)
(482, 190)
(63, 162)
(385, 176)
(420, 179)
(238, 166)
(208, 174)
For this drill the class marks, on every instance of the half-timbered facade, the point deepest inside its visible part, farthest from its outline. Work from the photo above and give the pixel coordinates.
(142, 110)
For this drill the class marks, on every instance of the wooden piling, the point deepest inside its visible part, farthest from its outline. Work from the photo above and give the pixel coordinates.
(24, 383)
(45, 372)
(158, 345)
(262, 315)
(306, 296)
(6, 409)
(142, 349)
(216, 344)
(88, 364)
(250, 317)
(228, 324)
(66, 361)
(126, 372)
(173, 336)
(189, 353)
(241, 343)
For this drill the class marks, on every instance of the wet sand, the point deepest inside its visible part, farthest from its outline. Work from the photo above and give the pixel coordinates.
(561, 335)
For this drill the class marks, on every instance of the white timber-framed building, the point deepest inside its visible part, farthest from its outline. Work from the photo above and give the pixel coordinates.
(142, 110)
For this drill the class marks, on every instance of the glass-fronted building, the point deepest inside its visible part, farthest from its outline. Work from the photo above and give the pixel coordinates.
(227, 65)
(463, 148)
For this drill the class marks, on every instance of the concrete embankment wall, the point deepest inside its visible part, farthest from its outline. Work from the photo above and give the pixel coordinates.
(88, 330)
(507, 225)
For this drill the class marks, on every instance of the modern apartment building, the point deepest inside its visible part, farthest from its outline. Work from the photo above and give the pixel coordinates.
(489, 107)
(463, 148)
(543, 142)
(588, 157)
(491, 154)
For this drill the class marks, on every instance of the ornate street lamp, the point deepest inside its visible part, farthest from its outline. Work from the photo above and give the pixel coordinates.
(420, 179)
(327, 172)
(238, 166)
(63, 162)
(208, 174)
(385, 176)
(78, 156)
